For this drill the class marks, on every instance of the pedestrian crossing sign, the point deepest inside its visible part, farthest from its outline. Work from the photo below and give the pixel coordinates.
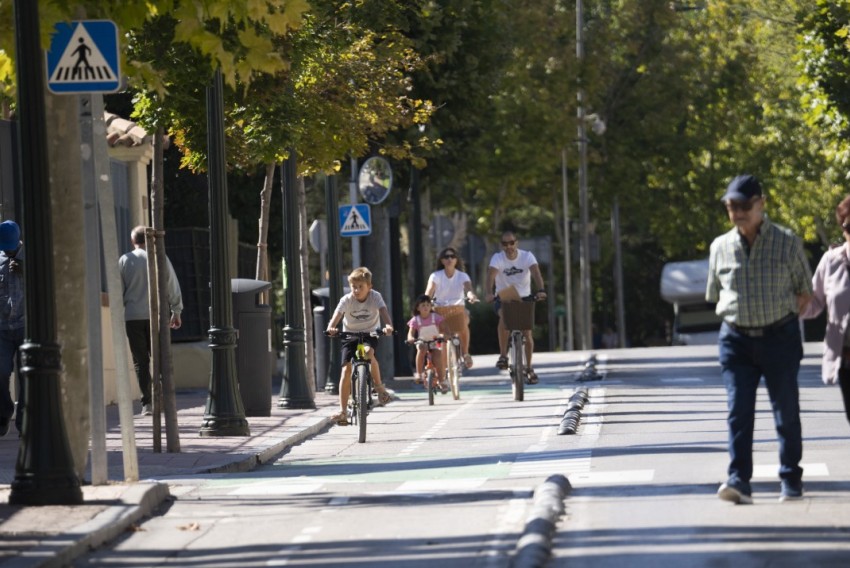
(355, 220)
(83, 57)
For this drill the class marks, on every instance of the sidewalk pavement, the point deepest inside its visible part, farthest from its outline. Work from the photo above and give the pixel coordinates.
(54, 535)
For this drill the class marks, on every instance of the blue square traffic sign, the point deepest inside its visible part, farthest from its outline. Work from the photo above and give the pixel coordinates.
(83, 58)
(355, 220)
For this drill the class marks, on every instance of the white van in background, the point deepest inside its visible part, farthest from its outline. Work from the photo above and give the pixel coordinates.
(683, 285)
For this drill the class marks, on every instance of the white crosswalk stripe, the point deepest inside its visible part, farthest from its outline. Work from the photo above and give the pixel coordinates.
(547, 463)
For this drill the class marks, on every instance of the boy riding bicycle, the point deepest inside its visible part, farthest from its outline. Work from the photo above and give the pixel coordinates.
(362, 309)
(426, 325)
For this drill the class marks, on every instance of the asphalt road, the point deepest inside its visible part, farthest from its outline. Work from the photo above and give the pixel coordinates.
(452, 484)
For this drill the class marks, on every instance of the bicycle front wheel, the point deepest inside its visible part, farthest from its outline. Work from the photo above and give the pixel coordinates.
(362, 372)
(517, 370)
(452, 370)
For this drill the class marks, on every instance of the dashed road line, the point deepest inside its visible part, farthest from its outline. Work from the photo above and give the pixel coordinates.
(436, 427)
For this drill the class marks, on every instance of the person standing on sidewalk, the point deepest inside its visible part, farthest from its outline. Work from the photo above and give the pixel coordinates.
(12, 311)
(760, 280)
(831, 284)
(134, 278)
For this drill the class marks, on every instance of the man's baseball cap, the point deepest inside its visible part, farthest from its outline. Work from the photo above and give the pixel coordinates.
(10, 235)
(742, 188)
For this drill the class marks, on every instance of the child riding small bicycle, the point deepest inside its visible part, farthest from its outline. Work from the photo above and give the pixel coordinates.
(426, 325)
(363, 309)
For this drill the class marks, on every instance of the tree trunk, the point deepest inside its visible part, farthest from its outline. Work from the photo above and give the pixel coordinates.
(263, 230)
(166, 370)
(303, 237)
(69, 266)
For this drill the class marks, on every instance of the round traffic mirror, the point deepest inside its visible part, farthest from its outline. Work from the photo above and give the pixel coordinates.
(375, 180)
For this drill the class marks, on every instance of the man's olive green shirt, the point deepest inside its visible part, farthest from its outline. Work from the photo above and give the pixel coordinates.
(757, 286)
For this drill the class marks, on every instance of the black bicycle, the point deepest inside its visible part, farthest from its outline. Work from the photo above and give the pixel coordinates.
(518, 317)
(360, 402)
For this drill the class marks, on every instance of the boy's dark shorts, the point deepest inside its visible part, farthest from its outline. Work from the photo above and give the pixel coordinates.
(349, 347)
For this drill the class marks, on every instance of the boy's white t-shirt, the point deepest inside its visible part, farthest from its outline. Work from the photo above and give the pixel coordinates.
(361, 316)
(449, 291)
(514, 272)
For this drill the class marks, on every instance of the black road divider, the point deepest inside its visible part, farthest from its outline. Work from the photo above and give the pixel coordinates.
(572, 416)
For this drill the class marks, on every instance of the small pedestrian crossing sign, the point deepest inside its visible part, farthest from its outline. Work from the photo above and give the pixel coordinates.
(83, 58)
(355, 220)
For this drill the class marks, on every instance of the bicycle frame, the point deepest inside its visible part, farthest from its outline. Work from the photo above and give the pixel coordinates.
(517, 362)
(455, 365)
(429, 367)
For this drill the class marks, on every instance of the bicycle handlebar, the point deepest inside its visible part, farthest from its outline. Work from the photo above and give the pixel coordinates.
(358, 334)
(438, 340)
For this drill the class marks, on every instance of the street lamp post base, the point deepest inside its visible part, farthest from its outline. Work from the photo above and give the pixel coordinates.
(225, 426)
(294, 403)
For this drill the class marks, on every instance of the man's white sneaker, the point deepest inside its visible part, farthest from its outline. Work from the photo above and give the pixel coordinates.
(735, 492)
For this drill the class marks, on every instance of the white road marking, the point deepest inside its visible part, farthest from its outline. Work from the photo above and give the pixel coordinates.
(435, 428)
(509, 519)
(539, 463)
(286, 487)
(771, 471)
(283, 555)
(612, 477)
(684, 380)
(440, 485)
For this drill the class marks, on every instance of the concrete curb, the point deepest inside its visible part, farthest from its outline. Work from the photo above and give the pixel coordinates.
(535, 545)
(137, 501)
(298, 434)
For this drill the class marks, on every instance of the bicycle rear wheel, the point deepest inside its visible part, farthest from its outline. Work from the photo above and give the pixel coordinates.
(517, 370)
(362, 372)
(431, 383)
(452, 370)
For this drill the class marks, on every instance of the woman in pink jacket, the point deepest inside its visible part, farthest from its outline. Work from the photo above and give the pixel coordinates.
(831, 283)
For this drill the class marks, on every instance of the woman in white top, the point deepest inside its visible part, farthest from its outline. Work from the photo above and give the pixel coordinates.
(449, 285)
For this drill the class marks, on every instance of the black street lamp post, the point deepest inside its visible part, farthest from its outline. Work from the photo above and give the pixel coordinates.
(44, 471)
(417, 251)
(334, 277)
(294, 390)
(224, 414)
(401, 359)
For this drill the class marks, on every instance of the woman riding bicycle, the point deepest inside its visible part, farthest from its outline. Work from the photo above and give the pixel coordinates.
(514, 267)
(426, 325)
(362, 309)
(449, 285)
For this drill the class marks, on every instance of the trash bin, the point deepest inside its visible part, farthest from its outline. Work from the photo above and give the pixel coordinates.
(321, 317)
(254, 354)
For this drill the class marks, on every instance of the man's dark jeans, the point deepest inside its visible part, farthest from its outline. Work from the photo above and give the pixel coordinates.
(10, 342)
(139, 337)
(744, 360)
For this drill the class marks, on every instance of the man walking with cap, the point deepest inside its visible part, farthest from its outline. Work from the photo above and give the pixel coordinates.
(761, 280)
(12, 310)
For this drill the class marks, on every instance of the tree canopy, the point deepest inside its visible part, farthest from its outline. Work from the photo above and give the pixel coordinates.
(481, 95)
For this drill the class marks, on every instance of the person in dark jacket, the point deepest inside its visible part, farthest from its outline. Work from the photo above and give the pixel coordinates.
(12, 311)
